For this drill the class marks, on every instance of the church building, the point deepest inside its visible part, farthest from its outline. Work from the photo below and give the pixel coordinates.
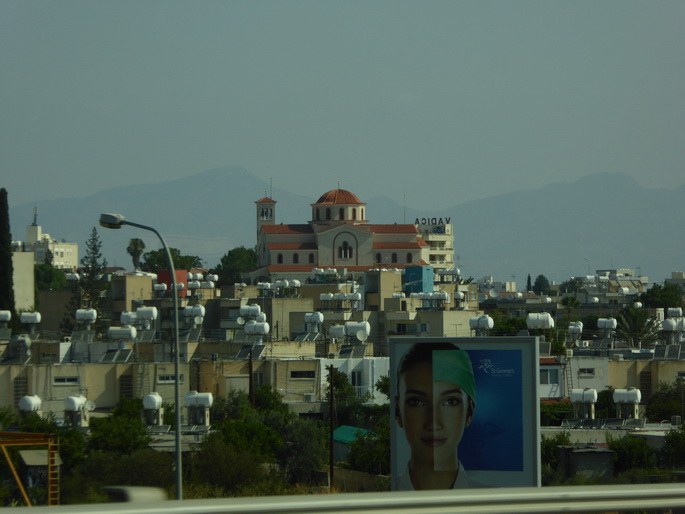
(338, 236)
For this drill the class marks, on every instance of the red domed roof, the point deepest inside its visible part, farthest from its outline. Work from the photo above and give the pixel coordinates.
(339, 196)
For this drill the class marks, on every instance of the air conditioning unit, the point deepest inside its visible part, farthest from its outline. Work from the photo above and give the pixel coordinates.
(309, 397)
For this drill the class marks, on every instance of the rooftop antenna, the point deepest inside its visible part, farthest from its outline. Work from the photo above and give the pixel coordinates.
(271, 188)
(404, 208)
(35, 216)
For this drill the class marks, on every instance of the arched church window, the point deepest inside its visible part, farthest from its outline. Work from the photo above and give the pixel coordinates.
(341, 214)
(328, 213)
(311, 258)
(378, 258)
(354, 213)
(409, 258)
(279, 258)
(296, 259)
(394, 258)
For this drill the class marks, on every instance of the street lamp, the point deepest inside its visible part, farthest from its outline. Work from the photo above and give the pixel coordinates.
(116, 221)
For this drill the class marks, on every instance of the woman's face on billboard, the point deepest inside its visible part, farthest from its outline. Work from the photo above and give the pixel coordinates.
(433, 415)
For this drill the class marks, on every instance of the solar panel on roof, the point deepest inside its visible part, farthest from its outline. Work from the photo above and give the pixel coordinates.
(122, 356)
(660, 352)
(673, 352)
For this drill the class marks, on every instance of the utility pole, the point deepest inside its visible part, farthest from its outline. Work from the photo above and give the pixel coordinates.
(331, 416)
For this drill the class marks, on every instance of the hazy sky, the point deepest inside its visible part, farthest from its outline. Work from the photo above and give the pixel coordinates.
(443, 101)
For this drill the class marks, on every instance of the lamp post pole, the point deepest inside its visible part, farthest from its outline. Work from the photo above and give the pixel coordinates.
(115, 221)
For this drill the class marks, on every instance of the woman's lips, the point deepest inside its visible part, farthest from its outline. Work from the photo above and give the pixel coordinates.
(433, 441)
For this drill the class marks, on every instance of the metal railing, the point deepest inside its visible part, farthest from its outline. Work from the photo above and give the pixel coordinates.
(619, 498)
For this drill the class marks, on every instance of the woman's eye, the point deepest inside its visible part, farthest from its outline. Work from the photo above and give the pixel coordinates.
(415, 402)
(452, 402)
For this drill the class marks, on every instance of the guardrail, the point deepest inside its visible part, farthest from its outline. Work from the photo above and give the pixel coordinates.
(619, 498)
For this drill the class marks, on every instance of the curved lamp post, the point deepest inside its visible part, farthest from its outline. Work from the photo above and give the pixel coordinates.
(116, 221)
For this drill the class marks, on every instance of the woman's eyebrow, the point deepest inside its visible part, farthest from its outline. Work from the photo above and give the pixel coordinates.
(416, 391)
(451, 391)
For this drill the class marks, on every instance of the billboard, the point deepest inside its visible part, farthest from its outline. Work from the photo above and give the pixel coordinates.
(464, 412)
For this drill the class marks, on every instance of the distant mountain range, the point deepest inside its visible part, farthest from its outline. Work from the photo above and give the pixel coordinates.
(602, 221)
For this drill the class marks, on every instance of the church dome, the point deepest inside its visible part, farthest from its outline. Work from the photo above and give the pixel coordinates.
(339, 196)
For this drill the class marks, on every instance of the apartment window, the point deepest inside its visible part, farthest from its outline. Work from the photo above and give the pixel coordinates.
(65, 380)
(306, 374)
(586, 372)
(21, 388)
(258, 378)
(549, 376)
(356, 378)
(126, 386)
(168, 379)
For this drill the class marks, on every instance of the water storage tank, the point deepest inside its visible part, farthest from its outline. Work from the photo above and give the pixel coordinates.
(459, 296)
(215, 278)
(674, 312)
(630, 395)
(88, 315)
(326, 297)
(539, 321)
(152, 401)
(250, 311)
(313, 317)
(160, 287)
(261, 317)
(147, 313)
(594, 299)
(30, 403)
(637, 305)
(481, 323)
(73, 276)
(607, 323)
(30, 318)
(586, 395)
(337, 331)
(195, 284)
(624, 290)
(575, 327)
(256, 328)
(398, 295)
(74, 403)
(195, 399)
(128, 318)
(352, 328)
(669, 325)
(128, 333)
(295, 283)
(5, 316)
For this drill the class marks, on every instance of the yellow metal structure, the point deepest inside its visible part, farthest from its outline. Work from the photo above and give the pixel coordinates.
(28, 439)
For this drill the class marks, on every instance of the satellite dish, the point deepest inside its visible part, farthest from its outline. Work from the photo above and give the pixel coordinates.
(492, 293)
(362, 335)
(89, 406)
(198, 320)
(240, 320)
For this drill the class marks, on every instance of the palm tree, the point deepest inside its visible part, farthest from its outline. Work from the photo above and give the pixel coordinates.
(135, 250)
(635, 326)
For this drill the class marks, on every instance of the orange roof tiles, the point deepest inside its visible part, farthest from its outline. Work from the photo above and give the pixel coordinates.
(287, 229)
(398, 246)
(339, 196)
(266, 199)
(393, 229)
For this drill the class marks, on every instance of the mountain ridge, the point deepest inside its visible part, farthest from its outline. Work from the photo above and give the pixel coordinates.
(600, 221)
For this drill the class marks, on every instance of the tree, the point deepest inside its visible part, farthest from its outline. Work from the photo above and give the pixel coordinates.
(529, 284)
(672, 453)
(93, 268)
(668, 400)
(631, 453)
(635, 326)
(570, 302)
(348, 406)
(135, 250)
(573, 285)
(6, 268)
(118, 434)
(49, 278)
(370, 453)
(235, 263)
(541, 285)
(658, 296)
(156, 261)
